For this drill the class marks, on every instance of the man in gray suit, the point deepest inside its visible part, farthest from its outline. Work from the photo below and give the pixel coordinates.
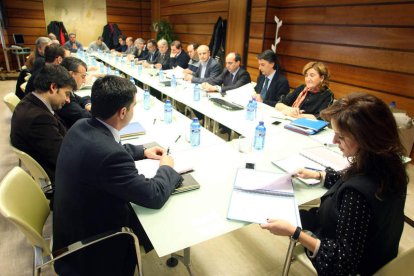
(209, 68)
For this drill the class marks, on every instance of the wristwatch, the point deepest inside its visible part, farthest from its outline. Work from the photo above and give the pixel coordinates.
(295, 235)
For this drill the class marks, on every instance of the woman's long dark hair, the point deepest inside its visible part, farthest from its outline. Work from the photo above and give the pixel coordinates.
(371, 123)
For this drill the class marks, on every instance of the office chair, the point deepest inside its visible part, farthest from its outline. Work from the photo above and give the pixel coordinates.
(35, 169)
(23, 203)
(11, 100)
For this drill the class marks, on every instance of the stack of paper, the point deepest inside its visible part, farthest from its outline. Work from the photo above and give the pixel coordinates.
(259, 195)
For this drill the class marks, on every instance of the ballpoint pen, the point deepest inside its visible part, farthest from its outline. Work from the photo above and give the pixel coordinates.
(178, 138)
(168, 151)
(329, 145)
(313, 169)
(155, 120)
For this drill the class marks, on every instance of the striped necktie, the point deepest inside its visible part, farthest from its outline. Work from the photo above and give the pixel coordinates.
(264, 89)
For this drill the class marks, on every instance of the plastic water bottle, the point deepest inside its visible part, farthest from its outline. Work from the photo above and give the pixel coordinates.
(173, 82)
(168, 112)
(131, 79)
(195, 133)
(101, 67)
(161, 75)
(139, 69)
(259, 136)
(250, 111)
(117, 73)
(147, 99)
(196, 92)
(254, 103)
(108, 70)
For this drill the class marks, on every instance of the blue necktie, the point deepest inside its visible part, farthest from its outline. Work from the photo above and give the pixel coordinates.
(264, 89)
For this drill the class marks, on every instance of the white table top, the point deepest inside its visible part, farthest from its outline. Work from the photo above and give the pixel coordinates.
(190, 218)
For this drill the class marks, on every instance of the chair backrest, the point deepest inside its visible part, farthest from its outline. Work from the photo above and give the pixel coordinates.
(401, 265)
(37, 172)
(23, 202)
(11, 100)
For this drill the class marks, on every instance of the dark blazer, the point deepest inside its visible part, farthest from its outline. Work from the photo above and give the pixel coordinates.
(164, 60)
(75, 110)
(226, 80)
(96, 180)
(36, 131)
(278, 87)
(313, 103)
(181, 60)
(142, 55)
(152, 57)
(213, 70)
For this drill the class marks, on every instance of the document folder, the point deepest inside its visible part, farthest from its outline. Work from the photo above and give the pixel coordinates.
(259, 195)
(306, 126)
(132, 130)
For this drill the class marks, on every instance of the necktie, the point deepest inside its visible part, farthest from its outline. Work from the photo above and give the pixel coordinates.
(264, 89)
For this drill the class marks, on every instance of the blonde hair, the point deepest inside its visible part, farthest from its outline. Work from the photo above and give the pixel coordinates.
(322, 71)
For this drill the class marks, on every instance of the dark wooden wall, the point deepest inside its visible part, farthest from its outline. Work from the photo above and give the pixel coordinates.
(132, 16)
(193, 21)
(22, 17)
(368, 45)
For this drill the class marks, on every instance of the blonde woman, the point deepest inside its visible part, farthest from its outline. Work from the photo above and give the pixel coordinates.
(310, 98)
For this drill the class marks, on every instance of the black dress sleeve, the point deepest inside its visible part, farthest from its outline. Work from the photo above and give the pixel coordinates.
(341, 256)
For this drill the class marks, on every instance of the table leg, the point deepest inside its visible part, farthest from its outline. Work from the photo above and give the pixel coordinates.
(288, 259)
(185, 259)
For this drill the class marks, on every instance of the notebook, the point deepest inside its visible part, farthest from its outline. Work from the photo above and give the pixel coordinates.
(132, 130)
(188, 184)
(259, 195)
(306, 126)
(316, 158)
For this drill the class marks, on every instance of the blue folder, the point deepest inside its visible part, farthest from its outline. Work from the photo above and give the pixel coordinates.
(306, 126)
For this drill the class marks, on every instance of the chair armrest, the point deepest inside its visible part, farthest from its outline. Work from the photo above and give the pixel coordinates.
(60, 253)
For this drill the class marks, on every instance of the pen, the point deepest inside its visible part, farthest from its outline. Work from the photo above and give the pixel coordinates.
(178, 138)
(155, 119)
(313, 169)
(168, 151)
(329, 145)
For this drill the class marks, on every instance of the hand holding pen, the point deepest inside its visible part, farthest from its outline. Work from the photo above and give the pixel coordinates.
(308, 172)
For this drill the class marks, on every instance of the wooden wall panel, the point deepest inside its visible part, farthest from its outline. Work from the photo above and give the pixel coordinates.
(132, 16)
(23, 17)
(193, 20)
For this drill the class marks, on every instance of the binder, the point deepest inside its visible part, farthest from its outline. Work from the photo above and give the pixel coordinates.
(132, 130)
(259, 195)
(306, 126)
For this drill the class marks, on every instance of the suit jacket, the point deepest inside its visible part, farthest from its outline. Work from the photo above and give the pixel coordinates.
(164, 60)
(213, 70)
(227, 82)
(152, 57)
(75, 110)
(36, 131)
(96, 179)
(278, 87)
(141, 55)
(181, 60)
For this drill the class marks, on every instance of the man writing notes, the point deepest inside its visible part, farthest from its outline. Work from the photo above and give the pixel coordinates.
(96, 179)
(232, 77)
(35, 127)
(209, 68)
(271, 85)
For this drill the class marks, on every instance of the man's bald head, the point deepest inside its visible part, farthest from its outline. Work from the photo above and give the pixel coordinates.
(203, 53)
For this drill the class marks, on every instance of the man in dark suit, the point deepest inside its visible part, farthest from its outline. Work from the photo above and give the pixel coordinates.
(78, 107)
(178, 57)
(35, 127)
(232, 77)
(142, 51)
(96, 179)
(209, 68)
(271, 85)
(153, 53)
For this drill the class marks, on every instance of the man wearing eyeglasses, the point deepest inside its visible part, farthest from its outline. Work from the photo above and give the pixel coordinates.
(78, 107)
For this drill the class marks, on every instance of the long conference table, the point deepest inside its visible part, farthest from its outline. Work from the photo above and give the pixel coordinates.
(193, 217)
